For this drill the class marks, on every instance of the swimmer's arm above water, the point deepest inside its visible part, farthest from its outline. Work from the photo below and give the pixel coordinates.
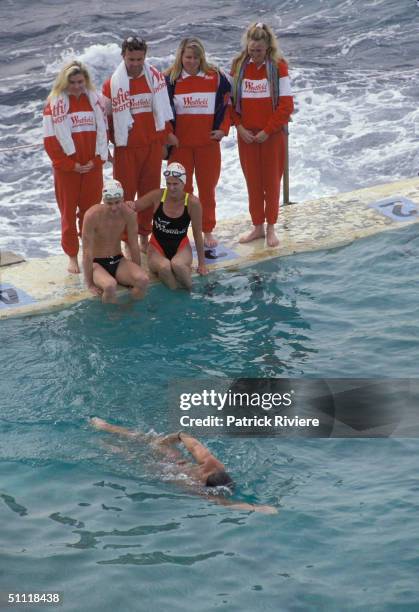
(197, 450)
(103, 425)
(172, 438)
(263, 509)
(98, 423)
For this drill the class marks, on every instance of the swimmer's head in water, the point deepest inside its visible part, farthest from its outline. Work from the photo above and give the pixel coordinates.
(112, 190)
(220, 478)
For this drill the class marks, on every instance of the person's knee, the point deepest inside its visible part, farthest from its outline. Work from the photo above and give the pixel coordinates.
(164, 266)
(179, 267)
(109, 286)
(140, 279)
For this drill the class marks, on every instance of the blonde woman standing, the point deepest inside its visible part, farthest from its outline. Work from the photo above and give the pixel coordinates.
(262, 106)
(75, 139)
(199, 93)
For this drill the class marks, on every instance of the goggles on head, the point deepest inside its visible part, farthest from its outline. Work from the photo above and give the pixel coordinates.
(175, 173)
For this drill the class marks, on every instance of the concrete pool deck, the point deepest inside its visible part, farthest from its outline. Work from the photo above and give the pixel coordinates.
(42, 285)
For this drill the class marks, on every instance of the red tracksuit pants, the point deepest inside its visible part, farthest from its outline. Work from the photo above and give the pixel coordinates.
(263, 167)
(138, 170)
(206, 163)
(75, 194)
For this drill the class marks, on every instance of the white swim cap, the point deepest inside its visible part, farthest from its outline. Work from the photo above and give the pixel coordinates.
(176, 170)
(112, 190)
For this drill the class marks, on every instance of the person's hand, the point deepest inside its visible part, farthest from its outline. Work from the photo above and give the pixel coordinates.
(90, 165)
(245, 135)
(83, 169)
(261, 137)
(172, 140)
(94, 290)
(265, 509)
(129, 206)
(202, 269)
(217, 135)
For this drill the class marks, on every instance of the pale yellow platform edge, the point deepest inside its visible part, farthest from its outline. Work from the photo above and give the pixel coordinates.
(308, 226)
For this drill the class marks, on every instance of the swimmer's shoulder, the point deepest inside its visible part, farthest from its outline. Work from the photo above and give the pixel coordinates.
(92, 214)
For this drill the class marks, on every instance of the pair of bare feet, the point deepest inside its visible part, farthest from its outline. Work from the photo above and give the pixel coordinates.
(258, 231)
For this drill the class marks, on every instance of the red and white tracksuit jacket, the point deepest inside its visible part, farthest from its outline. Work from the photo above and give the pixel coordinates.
(263, 164)
(75, 192)
(138, 164)
(194, 103)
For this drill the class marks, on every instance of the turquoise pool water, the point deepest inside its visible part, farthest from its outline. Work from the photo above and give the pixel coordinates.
(87, 514)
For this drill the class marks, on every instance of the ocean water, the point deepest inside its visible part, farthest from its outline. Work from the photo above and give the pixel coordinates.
(353, 66)
(92, 516)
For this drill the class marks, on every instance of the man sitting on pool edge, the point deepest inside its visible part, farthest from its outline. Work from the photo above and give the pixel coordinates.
(104, 265)
(207, 472)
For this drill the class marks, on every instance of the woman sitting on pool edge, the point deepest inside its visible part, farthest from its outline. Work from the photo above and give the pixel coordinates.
(169, 252)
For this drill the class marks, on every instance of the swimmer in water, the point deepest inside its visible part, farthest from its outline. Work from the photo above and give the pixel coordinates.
(206, 472)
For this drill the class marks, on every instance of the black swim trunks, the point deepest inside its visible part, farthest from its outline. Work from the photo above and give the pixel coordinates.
(110, 264)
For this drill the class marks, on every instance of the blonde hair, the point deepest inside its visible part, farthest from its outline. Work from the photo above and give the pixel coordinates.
(62, 79)
(259, 31)
(196, 45)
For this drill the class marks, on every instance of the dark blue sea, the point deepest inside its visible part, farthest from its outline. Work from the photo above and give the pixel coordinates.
(90, 515)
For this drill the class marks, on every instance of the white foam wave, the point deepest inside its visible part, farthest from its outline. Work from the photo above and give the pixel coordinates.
(377, 37)
(343, 136)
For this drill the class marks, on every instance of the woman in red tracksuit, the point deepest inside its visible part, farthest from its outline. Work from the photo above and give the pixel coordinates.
(199, 94)
(76, 142)
(262, 105)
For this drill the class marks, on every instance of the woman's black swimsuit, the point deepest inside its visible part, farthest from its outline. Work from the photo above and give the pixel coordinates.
(170, 235)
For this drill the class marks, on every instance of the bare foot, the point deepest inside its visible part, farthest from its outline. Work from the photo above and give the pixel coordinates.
(258, 231)
(271, 237)
(73, 265)
(143, 243)
(209, 240)
(138, 293)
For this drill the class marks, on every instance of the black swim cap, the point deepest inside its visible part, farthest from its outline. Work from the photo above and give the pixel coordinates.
(220, 478)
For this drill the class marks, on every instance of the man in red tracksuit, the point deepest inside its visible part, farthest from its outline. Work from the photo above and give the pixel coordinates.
(137, 163)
